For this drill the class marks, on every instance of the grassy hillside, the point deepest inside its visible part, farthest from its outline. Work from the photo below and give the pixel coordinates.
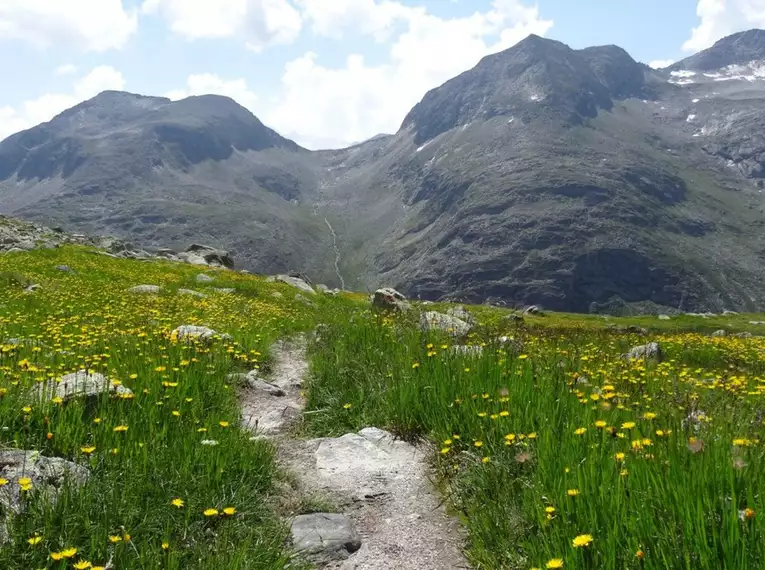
(550, 447)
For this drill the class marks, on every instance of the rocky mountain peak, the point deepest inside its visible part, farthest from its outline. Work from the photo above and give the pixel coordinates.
(738, 49)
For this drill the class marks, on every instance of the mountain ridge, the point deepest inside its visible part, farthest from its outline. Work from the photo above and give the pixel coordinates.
(578, 179)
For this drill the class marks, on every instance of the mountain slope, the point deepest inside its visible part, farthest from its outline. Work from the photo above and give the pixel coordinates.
(578, 179)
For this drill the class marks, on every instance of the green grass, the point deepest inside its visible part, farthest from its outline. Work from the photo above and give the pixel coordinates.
(502, 426)
(506, 426)
(86, 320)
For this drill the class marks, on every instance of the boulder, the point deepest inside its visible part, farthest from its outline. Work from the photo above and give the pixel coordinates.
(390, 299)
(145, 289)
(47, 477)
(79, 384)
(194, 332)
(460, 312)
(721, 332)
(204, 278)
(650, 351)
(433, 320)
(533, 310)
(33, 288)
(211, 255)
(325, 536)
(664, 317)
(295, 282)
(224, 290)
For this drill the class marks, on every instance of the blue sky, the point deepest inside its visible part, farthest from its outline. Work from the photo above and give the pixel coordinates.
(323, 72)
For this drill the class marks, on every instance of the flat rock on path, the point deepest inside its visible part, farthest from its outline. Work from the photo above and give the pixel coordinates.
(383, 483)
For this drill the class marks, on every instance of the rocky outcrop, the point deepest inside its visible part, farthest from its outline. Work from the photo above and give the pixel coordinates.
(389, 299)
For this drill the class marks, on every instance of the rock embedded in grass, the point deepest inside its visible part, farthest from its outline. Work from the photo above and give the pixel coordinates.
(47, 477)
(389, 299)
(433, 320)
(295, 282)
(325, 536)
(79, 384)
(204, 278)
(192, 293)
(145, 289)
(195, 332)
(650, 351)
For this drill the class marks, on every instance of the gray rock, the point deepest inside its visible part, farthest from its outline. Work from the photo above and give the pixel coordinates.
(757, 322)
(321, 288)
(192, 293)
(389, 299)
(721, 332)
(433, 320)
(664, 317)
(300, 299)
(32, 288)
(194, 332)
(145, 289)
(295, 282)
(460, 312)
(467, 350)
(225, 290)
(325, 536)
(650, 351)
(48, 476)
(727, 313)
(743, 335)
(192, 258)
(63, 268)
(533, 310)
(79, 385)
(276, 295)
(211, 255)
(204, 278)
(256, 383)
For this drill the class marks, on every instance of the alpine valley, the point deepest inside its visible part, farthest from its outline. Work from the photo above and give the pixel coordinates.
(578, 180)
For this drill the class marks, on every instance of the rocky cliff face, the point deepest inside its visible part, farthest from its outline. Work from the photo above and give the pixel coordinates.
(569, 178)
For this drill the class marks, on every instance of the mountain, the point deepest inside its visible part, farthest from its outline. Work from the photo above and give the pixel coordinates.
(577, 179)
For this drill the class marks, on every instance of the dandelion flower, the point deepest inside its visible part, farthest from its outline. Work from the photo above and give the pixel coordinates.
(572, 492)
(87, 450)
(82, 565)
(115, 538)
(640, 555)
(628, 425)
(36, 539)
(580, 431)
(165, 545)
(68, 552)
(600, 424)
(554, 563)
(582, 540)
(211, 512)
(347, 406)
(478, 443)
(229, 511)
(177, 502)
(223, 424)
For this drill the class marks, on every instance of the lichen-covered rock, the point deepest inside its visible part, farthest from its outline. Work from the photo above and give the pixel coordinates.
(195, 332)
(390, 299)
(80, 384)
(650, 351)
(45, 476)
(433, 320)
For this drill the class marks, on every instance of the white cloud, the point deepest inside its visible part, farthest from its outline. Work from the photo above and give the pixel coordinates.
(66, 69)
(259, 23)
(92, 25)
(720, 18)
(45, 107)
(209, 83)
(660, 63)
(328, 107)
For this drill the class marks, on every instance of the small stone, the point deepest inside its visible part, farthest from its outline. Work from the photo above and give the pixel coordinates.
(650, 351)
(325, 536)
(192, 293)
(63, 268)
(32, 288)
(145, 289)
(256, 384)
(721, 332)
(203, 278)
(224, 290)
(664, 317)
